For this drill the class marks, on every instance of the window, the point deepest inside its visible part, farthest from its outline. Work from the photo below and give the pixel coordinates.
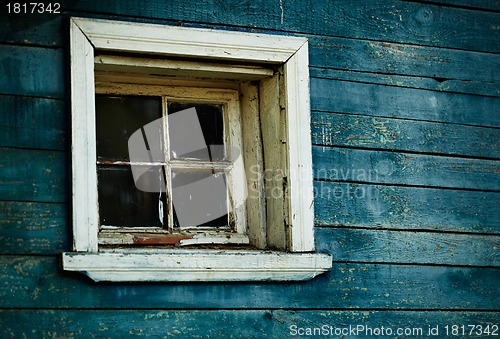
(179, 180)
(191, 155)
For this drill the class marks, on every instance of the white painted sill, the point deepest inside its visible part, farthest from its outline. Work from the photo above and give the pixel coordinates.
(196, 265)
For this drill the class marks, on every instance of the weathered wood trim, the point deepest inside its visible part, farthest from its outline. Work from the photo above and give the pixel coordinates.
(142, 79)
(180, 41)
(236, 181)
(179, 68)
(129, 236)
(253, 158)
(271, 125)
(83, 139)
(198, 93)
(197, 265)
(298, 121)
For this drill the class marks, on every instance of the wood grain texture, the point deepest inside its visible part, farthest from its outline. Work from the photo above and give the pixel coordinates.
(405, 103)
(252, 156)
(273, 130)
(362, 245)
(353, 165)
(407, 208)
(197, 266)
(403, 22)
(32, 175)
(32, 123)
(31, 29)
(434, 84)
(31, 71)
(38, 282)
(393, 58)
(347, 130)
(38, 228)
(218, 323)
(481, 5)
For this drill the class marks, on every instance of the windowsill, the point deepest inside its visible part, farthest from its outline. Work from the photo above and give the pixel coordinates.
(196, 265)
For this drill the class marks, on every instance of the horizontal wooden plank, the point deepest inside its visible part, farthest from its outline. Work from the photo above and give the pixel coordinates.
(38, 282)
(31, 71)
(376, 246)
(407, 103)
(433, 84)
(36, 29)
(401, 22)
(28, 122)
(392, 58)
(332, 129)
(482, 4)
(32, 175)
(27, 227)
(229, 323)
(407, 208)
(354, 165)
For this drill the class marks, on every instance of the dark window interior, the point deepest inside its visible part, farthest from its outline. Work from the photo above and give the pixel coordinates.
(199, 197)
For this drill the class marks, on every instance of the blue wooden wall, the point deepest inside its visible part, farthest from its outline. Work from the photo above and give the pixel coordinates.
(405, 100)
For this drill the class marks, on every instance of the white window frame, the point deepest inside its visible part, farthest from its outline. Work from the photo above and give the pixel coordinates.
(295, 258)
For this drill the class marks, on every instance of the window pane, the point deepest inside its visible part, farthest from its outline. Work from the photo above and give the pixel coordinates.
(199, 199)
(118, 117)
(196, 131)
(122, 203)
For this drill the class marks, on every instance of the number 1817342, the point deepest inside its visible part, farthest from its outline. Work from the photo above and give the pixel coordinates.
(471, 330)
(33, 8)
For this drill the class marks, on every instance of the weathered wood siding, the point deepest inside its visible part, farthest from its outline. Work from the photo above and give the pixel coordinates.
(405, 99)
